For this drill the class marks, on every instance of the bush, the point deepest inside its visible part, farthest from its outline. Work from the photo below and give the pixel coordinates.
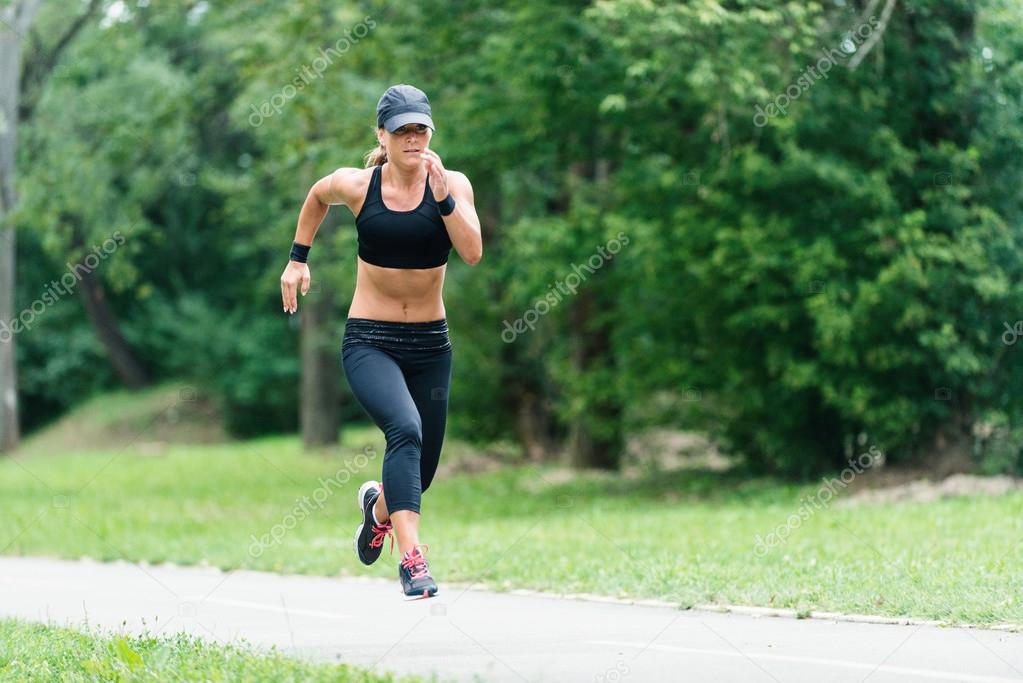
(249, 362)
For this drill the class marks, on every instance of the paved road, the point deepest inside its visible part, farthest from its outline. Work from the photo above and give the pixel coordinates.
(469, 635)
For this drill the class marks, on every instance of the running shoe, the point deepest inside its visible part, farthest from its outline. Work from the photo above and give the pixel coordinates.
(414, 574)
(369, 537)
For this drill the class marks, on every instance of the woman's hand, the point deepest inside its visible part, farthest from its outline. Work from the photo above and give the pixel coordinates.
(438, 181)
(295, 274)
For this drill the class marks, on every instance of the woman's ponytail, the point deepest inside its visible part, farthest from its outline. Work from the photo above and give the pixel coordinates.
(376, 156)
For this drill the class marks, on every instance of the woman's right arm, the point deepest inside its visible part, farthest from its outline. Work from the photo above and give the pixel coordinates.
(326, 191)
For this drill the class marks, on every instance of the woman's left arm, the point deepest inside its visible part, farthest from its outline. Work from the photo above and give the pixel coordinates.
(463, 224)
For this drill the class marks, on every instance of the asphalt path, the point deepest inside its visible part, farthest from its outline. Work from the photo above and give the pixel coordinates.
(474, 635)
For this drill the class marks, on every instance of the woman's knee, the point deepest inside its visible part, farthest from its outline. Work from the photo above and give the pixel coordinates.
(407, 429)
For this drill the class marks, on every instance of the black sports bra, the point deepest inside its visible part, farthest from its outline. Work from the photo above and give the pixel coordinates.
(401, 239)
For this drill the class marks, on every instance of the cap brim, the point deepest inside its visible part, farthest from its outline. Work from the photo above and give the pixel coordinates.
(398, 120)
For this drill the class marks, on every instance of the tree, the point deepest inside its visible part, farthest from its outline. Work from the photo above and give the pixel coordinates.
(16, 19)
(20, 86)
(320, 397)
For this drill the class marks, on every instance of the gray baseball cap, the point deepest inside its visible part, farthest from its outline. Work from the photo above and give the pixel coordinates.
(403, 104)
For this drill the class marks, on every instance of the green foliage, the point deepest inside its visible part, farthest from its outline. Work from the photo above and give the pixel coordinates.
(250, 364)
(839, 271)
(846, 261)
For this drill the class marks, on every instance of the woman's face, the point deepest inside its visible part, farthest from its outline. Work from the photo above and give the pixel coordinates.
(405, 144)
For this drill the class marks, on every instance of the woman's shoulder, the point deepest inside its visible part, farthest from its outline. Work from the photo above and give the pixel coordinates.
(351, 182)
(458, 180)
(352, 173)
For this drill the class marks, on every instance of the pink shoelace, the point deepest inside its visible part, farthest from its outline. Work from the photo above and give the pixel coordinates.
(415, 561)
(380, 531)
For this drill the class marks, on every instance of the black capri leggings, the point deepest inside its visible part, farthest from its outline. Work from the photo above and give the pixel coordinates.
(400, 373)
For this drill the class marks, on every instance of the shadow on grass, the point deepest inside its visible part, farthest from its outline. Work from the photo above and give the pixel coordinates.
(693, 485)
(535, 489)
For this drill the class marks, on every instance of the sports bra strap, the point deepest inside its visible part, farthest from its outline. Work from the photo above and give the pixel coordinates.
(373, 192)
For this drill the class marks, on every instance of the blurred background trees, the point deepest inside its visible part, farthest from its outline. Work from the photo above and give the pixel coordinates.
(798, 286)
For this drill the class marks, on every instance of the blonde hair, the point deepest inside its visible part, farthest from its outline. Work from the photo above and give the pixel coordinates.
(376, 156)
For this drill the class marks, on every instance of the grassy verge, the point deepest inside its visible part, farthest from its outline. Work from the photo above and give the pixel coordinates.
(31, 653)
(147, 418)
(688, 537)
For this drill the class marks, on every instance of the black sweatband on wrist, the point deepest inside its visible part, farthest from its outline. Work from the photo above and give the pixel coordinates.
(300, 252)
(446, 206)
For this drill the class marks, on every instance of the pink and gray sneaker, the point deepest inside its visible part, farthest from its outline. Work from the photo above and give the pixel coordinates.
(369, 537)
(414, 574)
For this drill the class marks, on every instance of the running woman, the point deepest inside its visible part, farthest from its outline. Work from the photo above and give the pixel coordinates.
(409, 211)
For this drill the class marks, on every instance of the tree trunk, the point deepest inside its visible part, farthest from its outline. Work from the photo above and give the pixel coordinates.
(591, 352)
(952, 449)
(119, 352)
(533, 426)
(525, 395)
(9, 433)
(320, 411)
(16, 17)
(595, 436)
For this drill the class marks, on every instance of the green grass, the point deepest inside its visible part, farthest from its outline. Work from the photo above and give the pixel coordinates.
(687, 537)
(31, 653)
(165, 413)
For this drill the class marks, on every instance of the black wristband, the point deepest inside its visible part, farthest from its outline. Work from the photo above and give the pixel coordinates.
(300, 252)
(446, 206)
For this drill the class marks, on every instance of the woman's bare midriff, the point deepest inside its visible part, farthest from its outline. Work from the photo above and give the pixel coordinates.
(398, 294)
